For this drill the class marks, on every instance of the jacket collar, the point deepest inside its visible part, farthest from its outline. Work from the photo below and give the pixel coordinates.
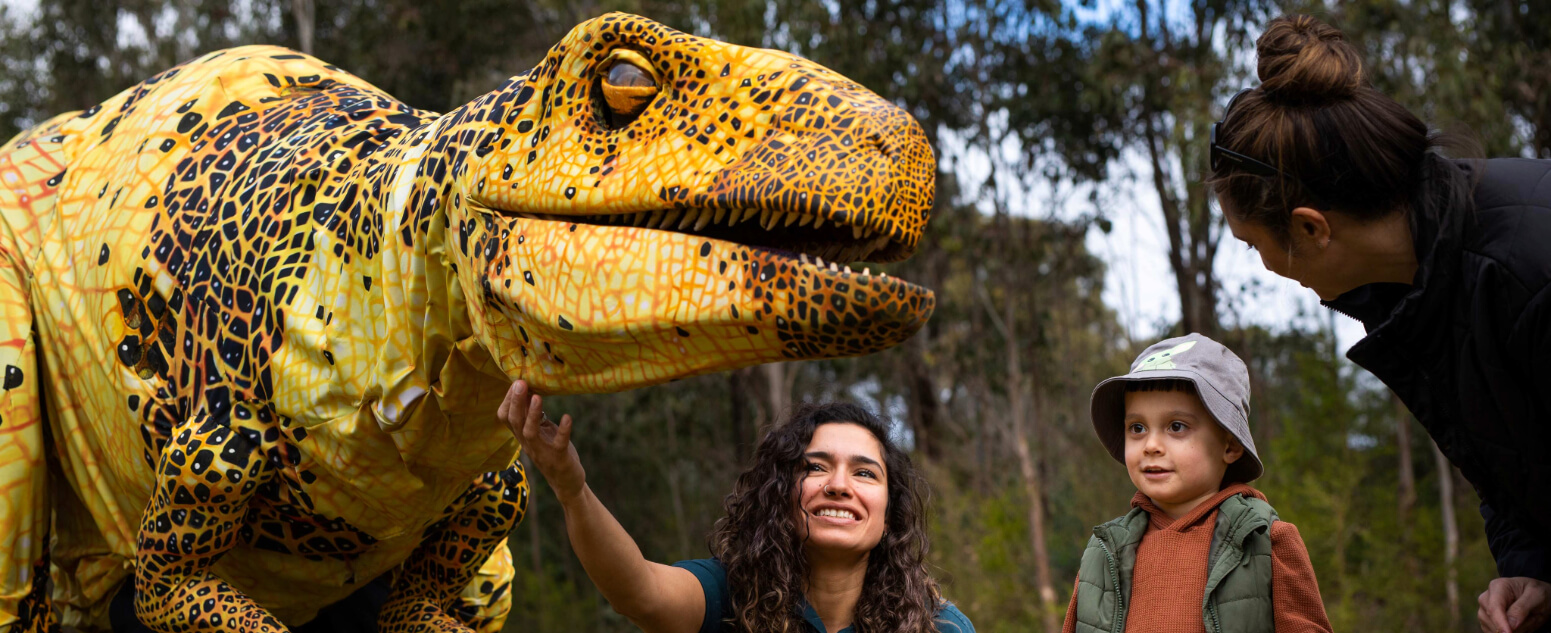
(1160, 520)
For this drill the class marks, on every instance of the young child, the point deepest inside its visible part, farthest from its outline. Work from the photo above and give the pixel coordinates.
(1200, 550)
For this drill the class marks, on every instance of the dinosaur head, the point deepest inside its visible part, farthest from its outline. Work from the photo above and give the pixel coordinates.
(647, 205)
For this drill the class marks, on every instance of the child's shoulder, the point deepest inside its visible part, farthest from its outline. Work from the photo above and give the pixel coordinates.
(1284, 532)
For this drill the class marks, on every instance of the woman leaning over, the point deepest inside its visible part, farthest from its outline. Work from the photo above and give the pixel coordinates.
(1446, 263)
(825, 532)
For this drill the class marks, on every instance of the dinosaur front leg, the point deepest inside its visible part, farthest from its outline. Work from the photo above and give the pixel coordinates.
(487, 599)
(205, 477)
(429, 586)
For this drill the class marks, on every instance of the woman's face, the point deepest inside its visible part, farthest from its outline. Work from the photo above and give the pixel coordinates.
(843, 491)
(1309, 256)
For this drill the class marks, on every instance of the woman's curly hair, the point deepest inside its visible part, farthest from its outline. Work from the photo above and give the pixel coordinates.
(761, 546)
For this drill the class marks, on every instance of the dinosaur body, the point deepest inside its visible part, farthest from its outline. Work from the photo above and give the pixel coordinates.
(256, 316)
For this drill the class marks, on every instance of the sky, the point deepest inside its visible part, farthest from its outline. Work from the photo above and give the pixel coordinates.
(1139, 284)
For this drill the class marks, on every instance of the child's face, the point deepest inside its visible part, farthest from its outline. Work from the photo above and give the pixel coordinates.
(1176, 453)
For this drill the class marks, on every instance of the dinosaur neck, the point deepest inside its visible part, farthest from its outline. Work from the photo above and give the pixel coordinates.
(425, 329)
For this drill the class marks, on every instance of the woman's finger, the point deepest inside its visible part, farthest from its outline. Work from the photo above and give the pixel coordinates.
(564, 436)
(534, 421)
(505, 410)
(1494, 602)
(1528, 607)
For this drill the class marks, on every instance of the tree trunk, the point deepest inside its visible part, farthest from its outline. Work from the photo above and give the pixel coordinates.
(778, 392)
(306, 17)
(1450, 535)
(534, 541)
(926, 410)
(1406, 502)
(1164, 110)
(671, 471)
(743, 439)
(1033, 485)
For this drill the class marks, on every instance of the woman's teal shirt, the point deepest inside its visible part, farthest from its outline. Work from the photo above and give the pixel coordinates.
(718, 603)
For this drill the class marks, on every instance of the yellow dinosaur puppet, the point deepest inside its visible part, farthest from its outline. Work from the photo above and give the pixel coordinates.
(256, 316)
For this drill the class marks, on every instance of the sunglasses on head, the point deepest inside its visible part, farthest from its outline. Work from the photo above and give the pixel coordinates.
(1221, 155)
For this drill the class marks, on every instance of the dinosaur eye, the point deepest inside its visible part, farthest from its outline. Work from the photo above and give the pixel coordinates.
(628, 85)
(629, 76)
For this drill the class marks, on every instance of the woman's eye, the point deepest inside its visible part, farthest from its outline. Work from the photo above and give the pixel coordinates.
(1249, 246)
(814, 468)
(866, 473)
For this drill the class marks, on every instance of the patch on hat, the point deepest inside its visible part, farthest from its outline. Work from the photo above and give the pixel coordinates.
(1165, 358)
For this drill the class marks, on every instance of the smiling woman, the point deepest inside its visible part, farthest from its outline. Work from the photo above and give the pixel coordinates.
(825, 532)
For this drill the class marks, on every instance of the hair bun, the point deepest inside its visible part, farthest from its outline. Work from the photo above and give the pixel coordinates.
(1303, 60)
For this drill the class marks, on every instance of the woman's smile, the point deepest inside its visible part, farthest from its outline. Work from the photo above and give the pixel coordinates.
(841, 516)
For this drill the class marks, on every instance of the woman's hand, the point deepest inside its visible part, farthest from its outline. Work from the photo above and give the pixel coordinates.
(655, 597)
(547, 444)
(1514, 605)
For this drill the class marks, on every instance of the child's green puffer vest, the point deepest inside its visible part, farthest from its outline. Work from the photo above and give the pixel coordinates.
(1238, 587)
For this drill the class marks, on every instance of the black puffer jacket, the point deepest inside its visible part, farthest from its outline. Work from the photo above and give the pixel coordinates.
(1468, 346)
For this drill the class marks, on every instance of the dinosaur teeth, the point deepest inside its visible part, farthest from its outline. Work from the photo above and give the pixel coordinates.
(791, 218)
(764, 219)
(720, 214)
(669, 218)
(818, 222)
(705, 218)
(804, 220)
(856, 232)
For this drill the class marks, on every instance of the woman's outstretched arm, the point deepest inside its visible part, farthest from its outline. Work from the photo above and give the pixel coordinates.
(655, 597)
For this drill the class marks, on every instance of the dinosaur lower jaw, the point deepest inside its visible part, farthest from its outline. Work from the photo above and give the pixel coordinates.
(792, 232)
(576, 307)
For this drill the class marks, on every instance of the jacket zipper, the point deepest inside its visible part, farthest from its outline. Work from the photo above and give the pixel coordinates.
(1341, 312)
(1114, 578)
(1211, 607)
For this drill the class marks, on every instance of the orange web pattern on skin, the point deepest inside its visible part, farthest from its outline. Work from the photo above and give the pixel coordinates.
(259, 252)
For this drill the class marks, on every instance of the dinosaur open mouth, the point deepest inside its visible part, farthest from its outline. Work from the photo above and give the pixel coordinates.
(786, 231)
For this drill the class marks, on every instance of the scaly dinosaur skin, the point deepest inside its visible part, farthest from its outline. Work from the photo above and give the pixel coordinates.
(262, 314)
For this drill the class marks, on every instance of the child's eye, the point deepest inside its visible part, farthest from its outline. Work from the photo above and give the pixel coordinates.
(1177, 426)
(1135, 429)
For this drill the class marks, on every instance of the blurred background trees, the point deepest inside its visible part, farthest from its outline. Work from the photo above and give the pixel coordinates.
(1041, 111)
